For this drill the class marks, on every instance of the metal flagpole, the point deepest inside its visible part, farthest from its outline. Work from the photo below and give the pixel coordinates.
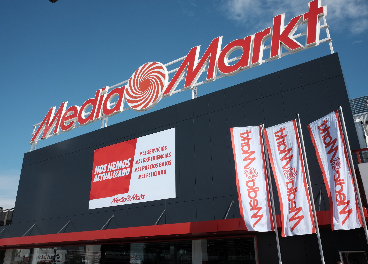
(353, 171)
(300, 132)
(271, 193)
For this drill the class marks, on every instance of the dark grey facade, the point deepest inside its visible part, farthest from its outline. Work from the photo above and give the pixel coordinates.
(55, 180)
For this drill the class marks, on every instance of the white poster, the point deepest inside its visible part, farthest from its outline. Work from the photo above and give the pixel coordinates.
(286, 160)
(251, 178)
(328, 141)
(134, 171)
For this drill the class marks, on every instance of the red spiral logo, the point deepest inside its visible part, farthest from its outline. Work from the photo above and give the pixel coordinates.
(146, 86)
(290, 173)
(251, 173)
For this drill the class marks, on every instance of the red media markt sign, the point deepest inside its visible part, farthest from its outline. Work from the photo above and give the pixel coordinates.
(150, 82)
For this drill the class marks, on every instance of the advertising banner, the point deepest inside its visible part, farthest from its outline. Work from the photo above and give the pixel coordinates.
(328, 141)
(134, 171)
(251, 178)
(287, 165)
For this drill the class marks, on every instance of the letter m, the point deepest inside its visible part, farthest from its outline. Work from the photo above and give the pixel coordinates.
(46, 125)
(295, 217)
(333, 149)
(344, 211)
(249, 158)
(257, 215)
(119, 164)
(286, 157)
(194, 68)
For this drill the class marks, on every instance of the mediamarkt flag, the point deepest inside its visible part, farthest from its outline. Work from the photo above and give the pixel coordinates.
(286, 159)
(328, 141)
(251, 178)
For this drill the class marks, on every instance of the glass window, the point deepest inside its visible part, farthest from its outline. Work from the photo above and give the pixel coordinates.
(217, 251)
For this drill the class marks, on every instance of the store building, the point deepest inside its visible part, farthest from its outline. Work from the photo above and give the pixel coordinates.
(199, 220)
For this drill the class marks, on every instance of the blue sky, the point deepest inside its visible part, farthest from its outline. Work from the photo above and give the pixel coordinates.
(51, 53)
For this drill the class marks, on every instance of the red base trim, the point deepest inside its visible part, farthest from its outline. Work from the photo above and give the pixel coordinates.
(189, 230)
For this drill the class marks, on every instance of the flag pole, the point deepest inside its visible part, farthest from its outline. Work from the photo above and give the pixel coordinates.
(341, 116)
(305, 161)
(271, 193)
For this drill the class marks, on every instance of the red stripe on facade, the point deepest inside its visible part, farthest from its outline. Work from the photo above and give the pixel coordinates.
(226, 227)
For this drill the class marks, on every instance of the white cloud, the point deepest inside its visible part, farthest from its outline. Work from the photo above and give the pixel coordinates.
(349, 15)
(360, 26)
(188, 13)
(8, 188)
(346, 8)
(188, 7)
(243, 10)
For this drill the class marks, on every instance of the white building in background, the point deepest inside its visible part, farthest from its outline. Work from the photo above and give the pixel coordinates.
(359, 108)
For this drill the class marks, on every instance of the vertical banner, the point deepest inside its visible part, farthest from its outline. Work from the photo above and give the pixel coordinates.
(328, 140)
(251, 178)
(286, 159)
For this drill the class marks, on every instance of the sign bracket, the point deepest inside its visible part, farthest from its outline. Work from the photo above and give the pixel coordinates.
(104, 121)
(194, 92)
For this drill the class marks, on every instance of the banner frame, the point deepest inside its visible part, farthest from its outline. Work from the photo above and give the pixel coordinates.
(268, 173)
(306, 167)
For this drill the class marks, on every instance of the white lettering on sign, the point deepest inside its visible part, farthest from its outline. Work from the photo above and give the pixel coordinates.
(150, 82)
